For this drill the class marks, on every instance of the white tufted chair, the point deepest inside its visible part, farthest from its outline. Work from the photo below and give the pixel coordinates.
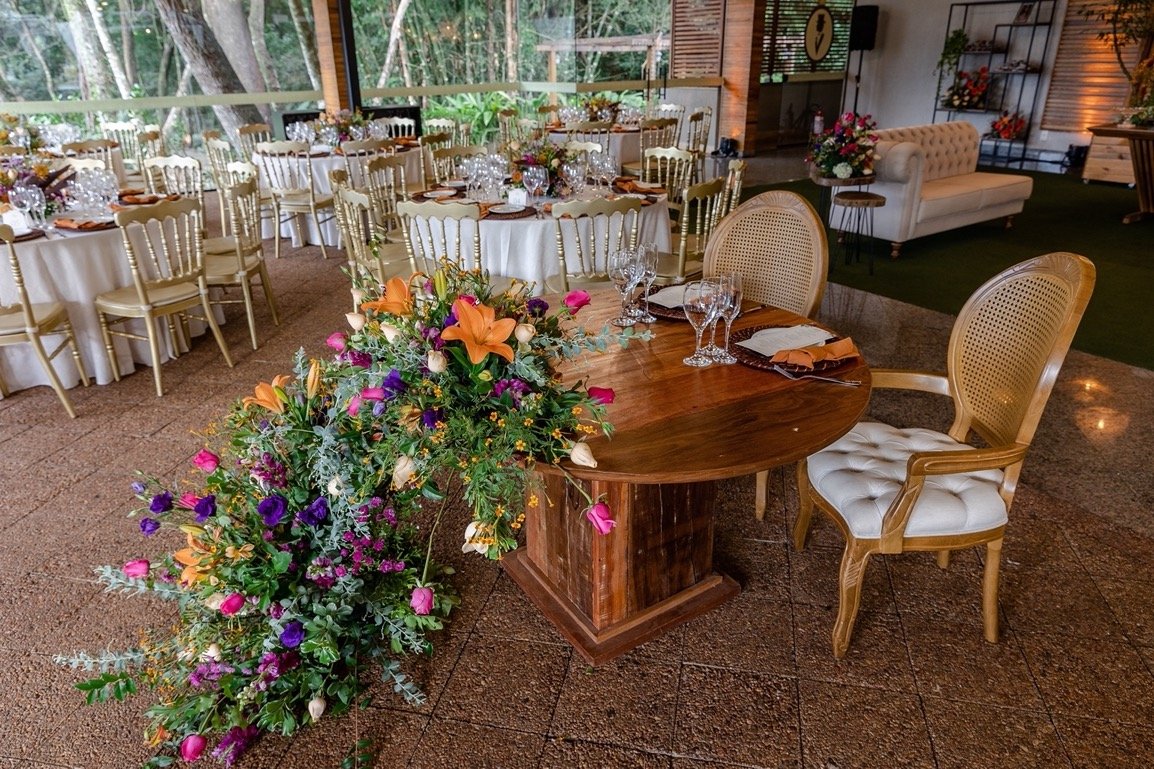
(929, 177)
(892, 490)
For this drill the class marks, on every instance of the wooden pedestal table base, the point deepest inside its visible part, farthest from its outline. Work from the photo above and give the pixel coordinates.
(608, 594)
(678, 430)
(1142, 156)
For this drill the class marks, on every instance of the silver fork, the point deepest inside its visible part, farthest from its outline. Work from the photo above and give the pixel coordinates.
(791, 375)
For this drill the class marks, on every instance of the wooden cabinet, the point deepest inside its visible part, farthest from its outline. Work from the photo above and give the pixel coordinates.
(1109, 161)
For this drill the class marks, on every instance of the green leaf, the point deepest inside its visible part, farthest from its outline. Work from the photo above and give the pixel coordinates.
(281, 561)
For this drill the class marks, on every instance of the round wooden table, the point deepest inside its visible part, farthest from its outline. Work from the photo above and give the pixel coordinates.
(678, 430)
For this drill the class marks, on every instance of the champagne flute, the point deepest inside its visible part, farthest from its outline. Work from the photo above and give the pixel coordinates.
(700, 307)
(730, 283)
(649, 258)
(625, 273)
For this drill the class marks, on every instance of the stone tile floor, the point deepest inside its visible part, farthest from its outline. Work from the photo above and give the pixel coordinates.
(753, 684)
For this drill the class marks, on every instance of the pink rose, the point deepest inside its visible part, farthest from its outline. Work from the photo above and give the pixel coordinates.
(373, 394)
(354, 405)
(603, 395)
(192, 746)
(233, 604)
(599, 515)
(206, 461)
(575, 300)
(187, 500)
(422, 600)
(337, 340)
(137, 568)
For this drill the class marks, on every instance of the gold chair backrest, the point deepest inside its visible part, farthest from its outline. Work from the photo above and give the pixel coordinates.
(149, 144)
(240, 171)
(595, 228)
(385, 177)
(286, 167)
(393, 127)
(354, 214)
(126, 135)
(666, 109)
(87, 164)
(250, 135)
(175, 175)
(8, 236)
(779, 246)
(700, 210)
(99, 149)
(219, 156)
(447, 161)
(435, 232)
(243, 206)
(596, 131)
(163, 245)
(357, 155)
(658, 132)
(670, 167)
(700, 122)
(734, 177)
(508, 127)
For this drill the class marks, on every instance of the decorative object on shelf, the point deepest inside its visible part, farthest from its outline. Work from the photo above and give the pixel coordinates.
(969, 90)
(1025, 12)
(955, 46)
(303, 528)
(845, 150)
(541, 152)
(1009, 126)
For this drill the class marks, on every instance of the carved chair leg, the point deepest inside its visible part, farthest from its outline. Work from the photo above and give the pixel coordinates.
(804, 507)
(853, 564)
(990, 590)
(895, 250)
(943, 559)
(760, 493)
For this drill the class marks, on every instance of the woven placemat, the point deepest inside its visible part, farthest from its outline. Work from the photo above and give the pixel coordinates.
(528, 213)
(757, 360)
(32, 234)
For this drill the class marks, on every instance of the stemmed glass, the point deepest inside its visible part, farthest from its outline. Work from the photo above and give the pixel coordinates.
(700, 306)
(604, 168)
(574, 172)
(34, 197)
(535, 178)
(648, 257)
(20, 200)
(730, 308)
(625, 269)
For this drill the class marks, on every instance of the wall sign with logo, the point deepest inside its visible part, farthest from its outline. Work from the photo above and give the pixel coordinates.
(818, 33)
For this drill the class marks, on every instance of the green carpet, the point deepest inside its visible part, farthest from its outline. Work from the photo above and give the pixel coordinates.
(940, 271)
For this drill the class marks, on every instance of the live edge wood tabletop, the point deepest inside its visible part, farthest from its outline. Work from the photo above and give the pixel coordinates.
(677, 430)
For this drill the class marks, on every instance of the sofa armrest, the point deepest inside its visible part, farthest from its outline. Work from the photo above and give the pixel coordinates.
(899, 162)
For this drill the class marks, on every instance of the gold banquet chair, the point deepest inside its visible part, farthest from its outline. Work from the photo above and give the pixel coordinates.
(26, 323)
(447, 161)
(778, 244)
(250, 135)
(358, 155)
(700, 210)
(672, 168)
(168, 279)
(655, 132)
(595, 228)
(287, 169)
(436, 232)
(367, 256)
(892, 490)
(245, 263)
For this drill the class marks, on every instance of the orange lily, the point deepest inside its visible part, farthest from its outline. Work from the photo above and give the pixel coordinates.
(398, 300)
(191, 557)
(266, 395)
(313, 381)
(482, 334)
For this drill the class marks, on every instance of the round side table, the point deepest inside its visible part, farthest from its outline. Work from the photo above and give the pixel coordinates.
(827, 183)
(858, 210)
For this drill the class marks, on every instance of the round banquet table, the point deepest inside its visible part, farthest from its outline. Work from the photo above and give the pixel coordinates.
(677, 431)
(72, 269)
(624, 143)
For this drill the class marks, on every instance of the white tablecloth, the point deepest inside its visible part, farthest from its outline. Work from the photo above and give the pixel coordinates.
(625, 145)
(73, 269)
(322, 164)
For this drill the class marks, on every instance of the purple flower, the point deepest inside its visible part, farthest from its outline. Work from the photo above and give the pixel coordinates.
(292, 635)
(161, 503)
(138, 487)
(272, 509)
(234, 743)
(205, 508)
(149, 526)
(430, 417)
(394, 384)
(358, 358)
(315, 512)
(515, 387)
(537, 307)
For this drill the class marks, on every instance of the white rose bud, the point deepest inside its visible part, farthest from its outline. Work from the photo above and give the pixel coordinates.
(317, 707)
(212, 653)
(214, 601)
(356, 320)
(524, 332)
(403, 470)
(391, 332)
(358, 296)
(336, 486)
(437, 362)
(582, 455)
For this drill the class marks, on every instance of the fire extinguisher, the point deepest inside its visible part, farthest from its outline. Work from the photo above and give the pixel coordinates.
(818, 122)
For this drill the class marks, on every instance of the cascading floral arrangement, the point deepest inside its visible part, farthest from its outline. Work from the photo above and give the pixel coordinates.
(50, 174)
(303, 560)
(970, 90)
(601, 107)
(846, 149)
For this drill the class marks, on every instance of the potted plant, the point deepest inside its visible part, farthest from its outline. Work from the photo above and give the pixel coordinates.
(1131, 25)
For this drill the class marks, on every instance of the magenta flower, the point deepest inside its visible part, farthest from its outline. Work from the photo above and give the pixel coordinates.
(136, 569)
(575, 300)
(206, 461)
(354, 405)
(187, 501)
(192, 746)
(603, 395)
(422, 600)
(600, 516)
(232, 604)
(337, 340)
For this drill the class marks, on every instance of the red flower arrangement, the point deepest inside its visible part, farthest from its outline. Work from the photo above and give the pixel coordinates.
(969, 90)
(1008, 126)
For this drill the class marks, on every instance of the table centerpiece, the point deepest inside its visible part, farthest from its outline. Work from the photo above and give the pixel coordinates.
(308, 526)
(539, 152)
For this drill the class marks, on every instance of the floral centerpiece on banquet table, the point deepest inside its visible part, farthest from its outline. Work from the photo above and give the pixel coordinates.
(307, 532)
(539, 152)
(15, 132)
(51, 175)
(602, 108)
(846, 149)
(350, 125)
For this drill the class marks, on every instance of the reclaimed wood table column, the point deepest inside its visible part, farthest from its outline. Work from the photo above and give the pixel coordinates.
(678, 430)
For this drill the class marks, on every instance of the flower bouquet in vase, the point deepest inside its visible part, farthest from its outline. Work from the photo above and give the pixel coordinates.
(846, 149)
(544, 154)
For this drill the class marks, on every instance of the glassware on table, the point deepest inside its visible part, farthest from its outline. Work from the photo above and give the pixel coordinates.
(730, 307)
(604, 168)
(18, 198)
(574, 172)
(700, 307)
(37, 203)
(648, 257)
(626, 272)
(535, 179)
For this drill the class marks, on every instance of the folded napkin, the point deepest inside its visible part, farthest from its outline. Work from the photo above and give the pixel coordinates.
(632, 185)
(143, 200)
(768, 341)
(806, 357)
(405, 141)
(132, 191)
(670, 297)
(79, 224)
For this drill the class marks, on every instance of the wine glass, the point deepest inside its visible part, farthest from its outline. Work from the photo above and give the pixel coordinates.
(574, 172)
(535, 178)
(648, 256)
(18, 198)
(700, 307)
(625, 271)
(730, 283)
(34, 197)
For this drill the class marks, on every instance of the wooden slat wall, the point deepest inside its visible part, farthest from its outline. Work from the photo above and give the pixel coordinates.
(697, 38)
(331, 51)
(1086, 87)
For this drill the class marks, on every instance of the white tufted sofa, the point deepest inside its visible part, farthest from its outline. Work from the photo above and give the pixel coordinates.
(928, 175)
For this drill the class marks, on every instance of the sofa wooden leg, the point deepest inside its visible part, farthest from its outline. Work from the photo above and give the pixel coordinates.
(895, 250)
(1010, 222)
